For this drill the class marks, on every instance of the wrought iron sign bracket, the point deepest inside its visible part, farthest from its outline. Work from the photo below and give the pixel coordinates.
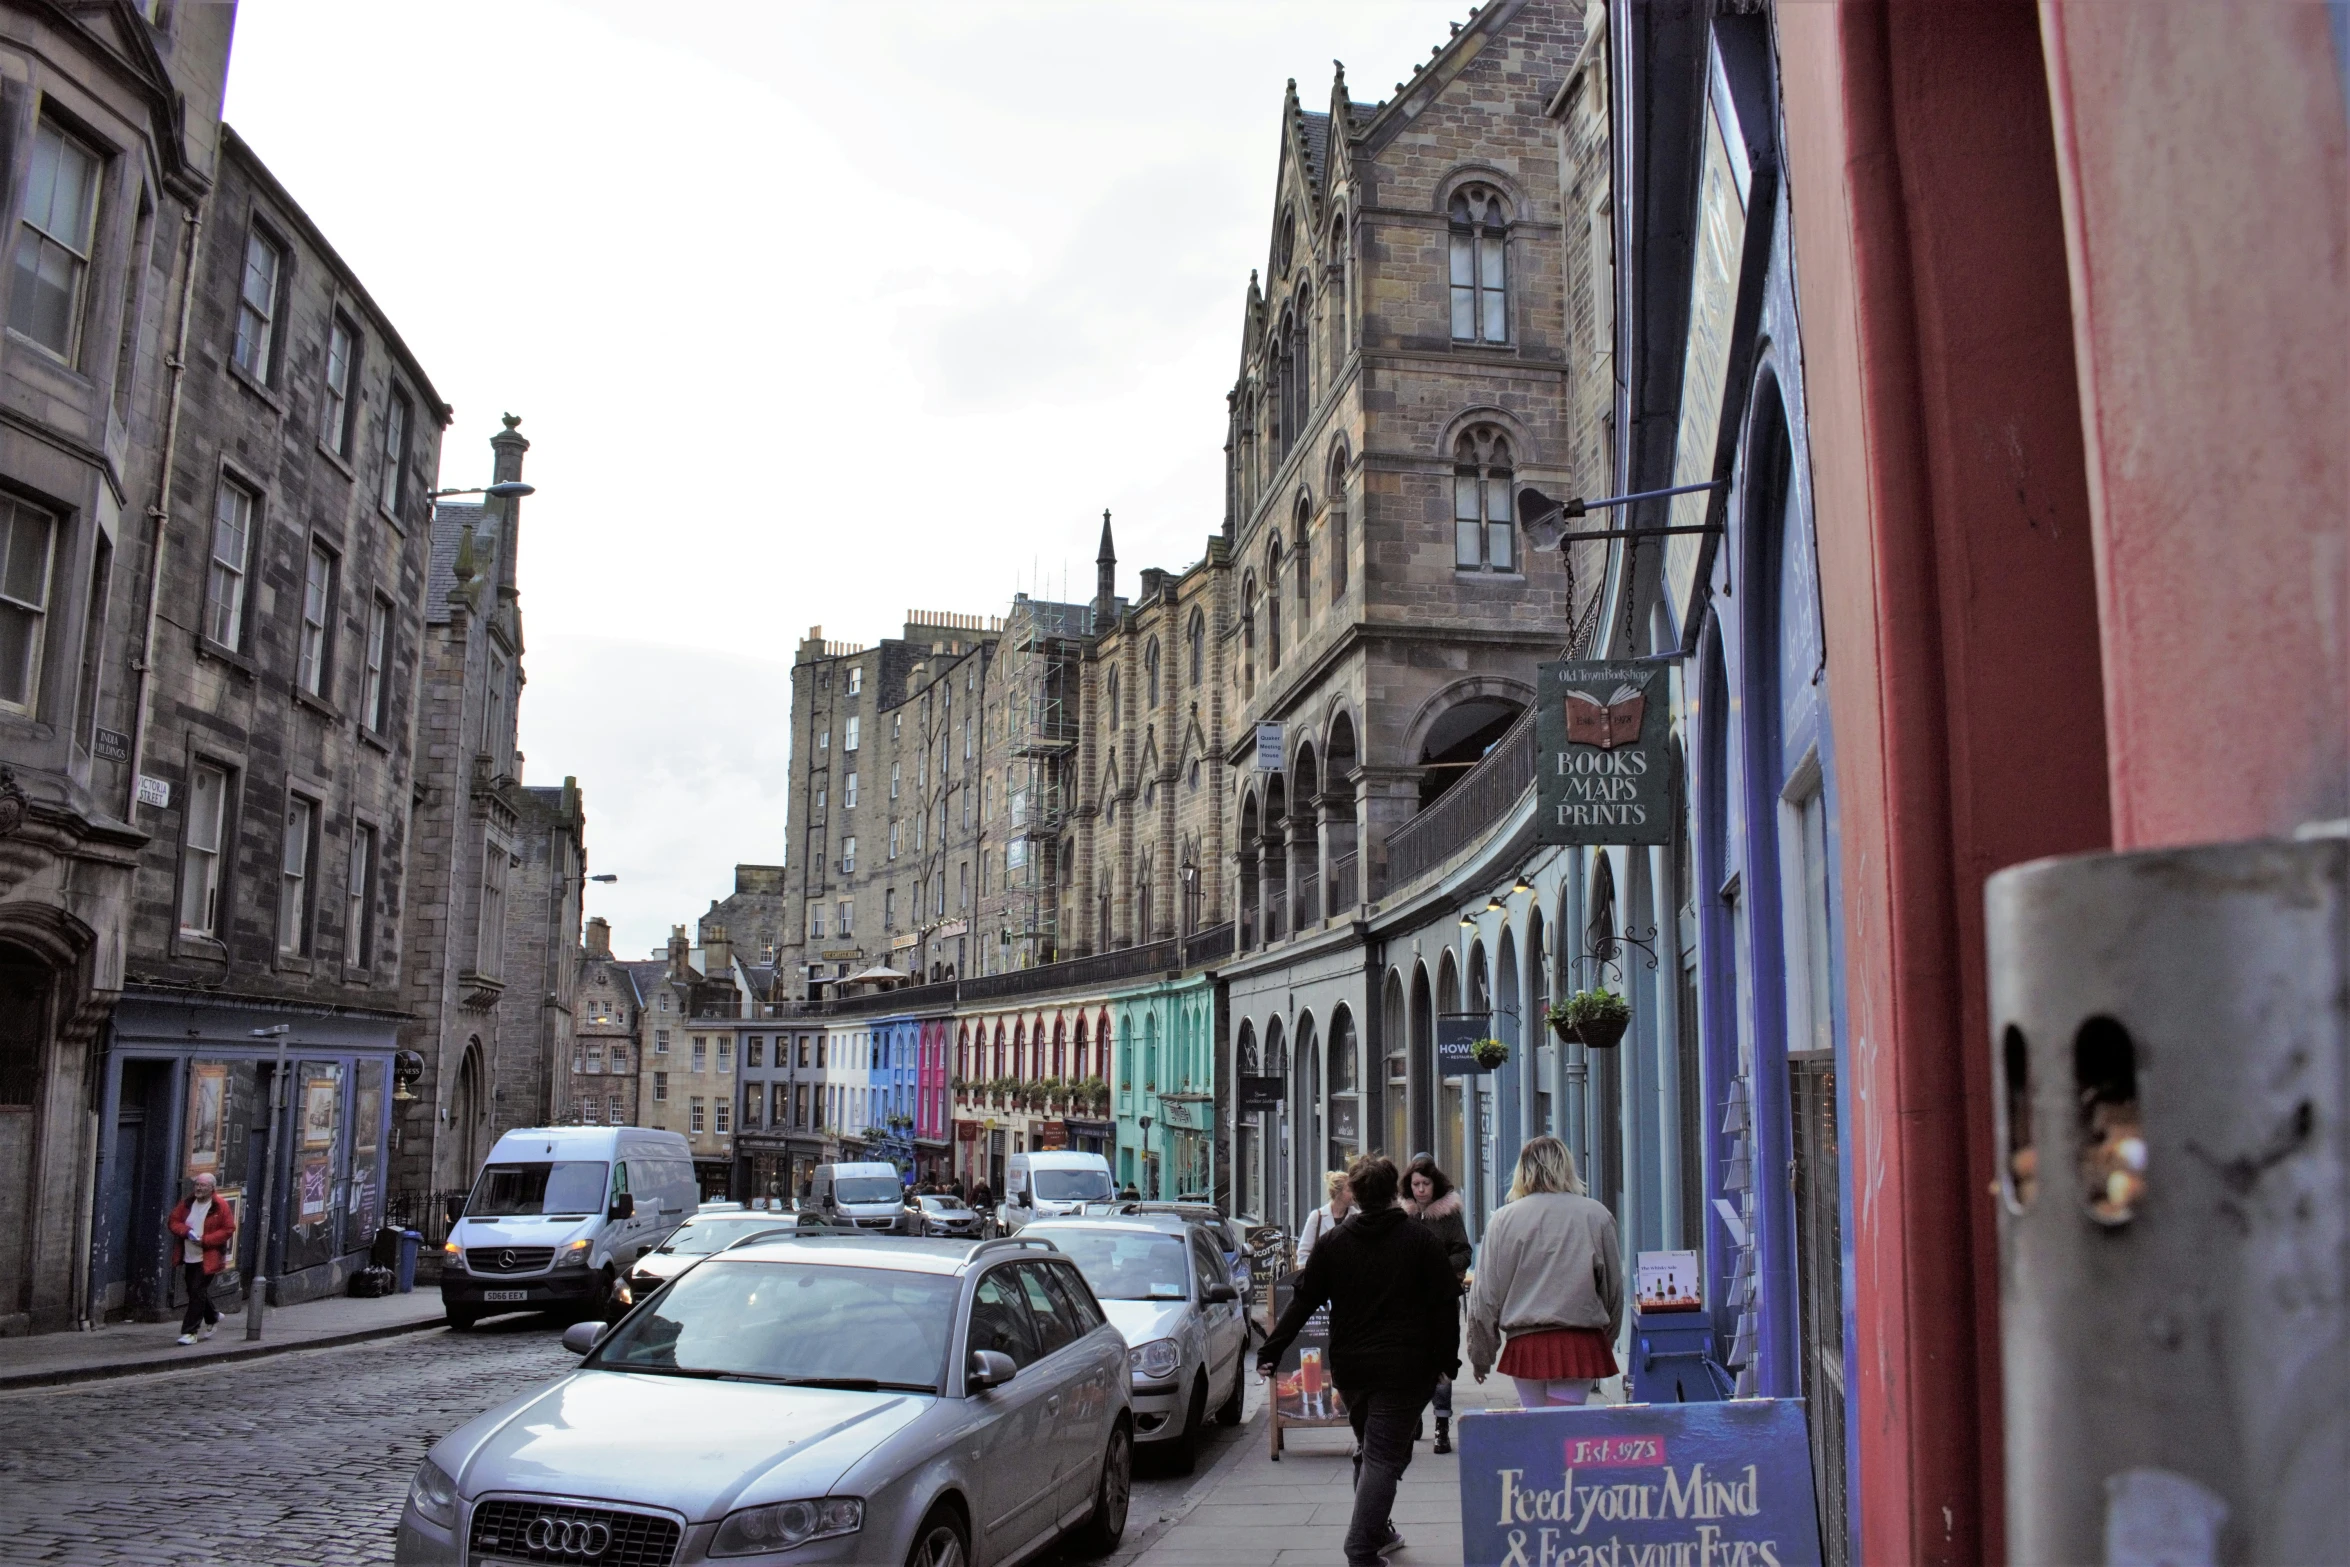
(1545, 520)
(1608, 951)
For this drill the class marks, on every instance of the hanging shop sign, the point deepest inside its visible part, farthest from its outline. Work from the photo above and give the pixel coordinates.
(1697, 1483)
(1456, 1043)
(1604, 763)
(1262, 1093)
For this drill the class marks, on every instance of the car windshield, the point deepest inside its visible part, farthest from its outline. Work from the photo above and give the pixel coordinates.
(867, 1188)
(945, 1204)
(793, 1322)
(708, 1235)
(568, 1186)
(1125, 1264)
(1072, 1186)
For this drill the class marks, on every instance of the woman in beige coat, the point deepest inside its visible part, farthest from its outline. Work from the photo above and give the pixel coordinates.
(1550, 1281)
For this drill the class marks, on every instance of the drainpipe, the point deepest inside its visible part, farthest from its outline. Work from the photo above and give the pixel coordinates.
(159, 514)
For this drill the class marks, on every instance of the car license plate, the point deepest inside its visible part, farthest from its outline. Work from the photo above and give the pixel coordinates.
(489, 1295)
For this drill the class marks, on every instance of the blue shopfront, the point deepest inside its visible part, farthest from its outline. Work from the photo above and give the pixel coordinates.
(186, 1090)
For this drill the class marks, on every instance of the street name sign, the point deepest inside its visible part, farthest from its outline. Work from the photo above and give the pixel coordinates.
(1614, 1485)
(1603, 764)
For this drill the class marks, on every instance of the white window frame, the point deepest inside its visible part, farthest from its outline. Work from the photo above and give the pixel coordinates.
(49, 239)
(25, 586)
(660, 1088)
(203, 829)
(236, 508)
(489, 946)
(845, 912)
(392, 479)
(848, 855)
(318, 601)
(334, 401)
(297, 857)
(848, 798)
(374, 699)
(1484, 512)
(359, 899)
(849, 740)
(1478, 266)
(256, 329)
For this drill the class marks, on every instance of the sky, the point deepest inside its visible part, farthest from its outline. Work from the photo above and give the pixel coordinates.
(814, 313)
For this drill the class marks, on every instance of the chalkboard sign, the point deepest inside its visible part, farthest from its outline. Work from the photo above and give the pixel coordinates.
(1723, 1485)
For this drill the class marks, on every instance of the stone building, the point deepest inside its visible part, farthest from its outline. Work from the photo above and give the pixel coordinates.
(465, 840)
(697, 1023)
(279, 742)
(112, 125)
(605, 1055)
(538, 1015)
(753, 916)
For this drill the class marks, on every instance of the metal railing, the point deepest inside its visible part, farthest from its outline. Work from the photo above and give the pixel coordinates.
(427, 1213)
(1342, 884)
(1206, 946)
(906, 998)
(1150, 958)
(1482, 797)
(1309, 899)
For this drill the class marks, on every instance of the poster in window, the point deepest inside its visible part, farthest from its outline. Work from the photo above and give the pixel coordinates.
(207, 1117)
(367, 1107)
(314, 1185)
(321, 1098)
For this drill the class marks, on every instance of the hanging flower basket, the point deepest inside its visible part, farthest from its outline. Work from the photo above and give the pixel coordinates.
(1596, 1017)
(1490, 1053)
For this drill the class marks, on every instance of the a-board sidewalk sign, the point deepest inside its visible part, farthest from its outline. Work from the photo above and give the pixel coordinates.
(1303, 1394)
(1639, 1485)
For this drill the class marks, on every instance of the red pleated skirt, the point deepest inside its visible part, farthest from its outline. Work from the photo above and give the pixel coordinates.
(1557, 1355)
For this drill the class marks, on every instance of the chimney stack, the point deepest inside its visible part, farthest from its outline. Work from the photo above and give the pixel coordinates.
(678, 948)
(599, 937)
(717, 951)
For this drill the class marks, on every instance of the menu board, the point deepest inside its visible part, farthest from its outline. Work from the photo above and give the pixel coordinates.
(1667, 1281)
(1303, 1394)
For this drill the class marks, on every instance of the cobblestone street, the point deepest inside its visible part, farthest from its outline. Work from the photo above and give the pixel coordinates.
(301, 1460)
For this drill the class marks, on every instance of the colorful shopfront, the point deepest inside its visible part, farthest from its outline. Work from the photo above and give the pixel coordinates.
(186, 1091)
(1162, 1088)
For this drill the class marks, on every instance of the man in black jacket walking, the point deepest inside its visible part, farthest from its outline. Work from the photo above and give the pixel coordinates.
(1394, 1329)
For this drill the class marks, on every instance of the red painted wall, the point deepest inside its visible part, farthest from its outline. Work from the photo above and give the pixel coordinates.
(1960, 591)
(2207, 216)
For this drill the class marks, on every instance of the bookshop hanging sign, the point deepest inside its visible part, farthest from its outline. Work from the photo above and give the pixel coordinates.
(1603, 769)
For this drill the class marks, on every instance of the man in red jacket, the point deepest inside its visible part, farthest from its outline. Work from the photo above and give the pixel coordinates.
(202, 1226)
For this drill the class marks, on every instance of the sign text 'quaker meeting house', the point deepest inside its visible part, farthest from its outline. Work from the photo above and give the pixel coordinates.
(1604, 769)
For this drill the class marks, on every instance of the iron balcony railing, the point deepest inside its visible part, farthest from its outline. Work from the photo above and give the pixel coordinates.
(1482, 797)
(1207, 946)
(1309, 899)
(1102, 968)
(1342, 884)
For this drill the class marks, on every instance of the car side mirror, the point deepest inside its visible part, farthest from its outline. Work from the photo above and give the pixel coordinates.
(581, 1337)
(623, 1207)
(1023, 1200)
(989, 1368)
(1222, 1294)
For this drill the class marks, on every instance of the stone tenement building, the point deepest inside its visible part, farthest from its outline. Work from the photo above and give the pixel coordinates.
(754, 916)
(607, 1012)
(466, 834)
(546, 879)
(112, 126)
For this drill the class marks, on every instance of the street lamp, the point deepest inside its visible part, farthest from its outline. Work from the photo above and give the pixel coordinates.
(1545, 520)
(503, 490)
(258, 1287)
(607, 878)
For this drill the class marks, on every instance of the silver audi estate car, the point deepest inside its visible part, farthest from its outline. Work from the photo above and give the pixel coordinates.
(1166, 1289)
(824, 1398)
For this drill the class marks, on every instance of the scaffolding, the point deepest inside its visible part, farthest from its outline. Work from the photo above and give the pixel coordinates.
(1044, 657)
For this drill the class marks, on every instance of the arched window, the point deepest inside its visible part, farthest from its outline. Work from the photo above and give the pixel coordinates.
(1334, 496)
(1483, 538)
(1198, 638)
(1060, 1048)
(1248, 633)
(1480, 270)
(1302, 539)
(1345, 335)
(1150, 675)
(1273, 607)
(1143, 906)
(1082, 1060)
(1110, 694)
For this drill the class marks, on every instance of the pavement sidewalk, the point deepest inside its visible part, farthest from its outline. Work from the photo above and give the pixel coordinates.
(1253, 1512)
(128, 1348)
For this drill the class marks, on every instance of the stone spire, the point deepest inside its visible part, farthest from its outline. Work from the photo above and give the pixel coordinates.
(506, 448)
(1105, 579)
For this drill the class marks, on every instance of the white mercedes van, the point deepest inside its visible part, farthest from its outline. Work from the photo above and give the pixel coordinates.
(869, 1195)
(1037, 1184)
(559, 1214)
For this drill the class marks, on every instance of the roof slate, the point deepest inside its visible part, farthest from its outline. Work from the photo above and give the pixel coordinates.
(440, 579)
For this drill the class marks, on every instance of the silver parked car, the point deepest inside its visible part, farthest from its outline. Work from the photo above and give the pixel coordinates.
(820, 1399)
(703, 1235)
(1168, 1290)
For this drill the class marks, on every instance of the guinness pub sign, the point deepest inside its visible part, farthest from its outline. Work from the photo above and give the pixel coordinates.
(1603, 769)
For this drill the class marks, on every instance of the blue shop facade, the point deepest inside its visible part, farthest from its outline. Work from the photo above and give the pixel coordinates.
(186, 1090)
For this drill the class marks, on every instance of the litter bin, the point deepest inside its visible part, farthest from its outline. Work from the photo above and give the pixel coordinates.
(409, 1241)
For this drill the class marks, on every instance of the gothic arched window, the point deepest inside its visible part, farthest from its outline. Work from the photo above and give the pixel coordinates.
(1335, 495)
(1483, 536)
(1198, 638)
(1248, 633)
(1273, 606)
(1480, 268)
(1110, 694)
(1304, 554)
(1150, 675)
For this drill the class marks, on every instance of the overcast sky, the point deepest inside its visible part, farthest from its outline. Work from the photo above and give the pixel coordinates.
(814, 313)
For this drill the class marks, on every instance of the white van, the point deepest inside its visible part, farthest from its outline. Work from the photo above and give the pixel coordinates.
(1037, 1184)
(557, 1217)
(869, 1195)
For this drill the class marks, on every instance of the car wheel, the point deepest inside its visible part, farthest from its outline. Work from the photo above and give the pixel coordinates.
(1228, 1412)
(459, 1318)
(939, 1542)
(1106, 1526)
(1184, 1450)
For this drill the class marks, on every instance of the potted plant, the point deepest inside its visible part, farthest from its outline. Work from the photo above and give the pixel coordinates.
(1490, 1053)
(1597, 1017)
